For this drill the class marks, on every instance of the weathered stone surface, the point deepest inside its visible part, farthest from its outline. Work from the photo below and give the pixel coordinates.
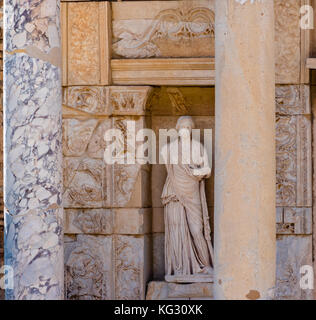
(132, 221)
(287, 41)
(89, 271)
(83, 44)
(294, 161)
(76, 136)
(88, 221)
(158, 220)
(158, 256)
(129, 100)
(163, 29)
(181, 101)
(294, 221)
(89, 99)
(33, 175)
(164, 291)
(85, 183)
(133, 260)
(245, 150)
(293, 252)
(292, 99)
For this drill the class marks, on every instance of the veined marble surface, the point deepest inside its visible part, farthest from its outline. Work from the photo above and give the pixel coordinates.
(33, 152)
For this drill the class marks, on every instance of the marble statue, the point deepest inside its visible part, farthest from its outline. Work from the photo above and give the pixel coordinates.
(188, 248)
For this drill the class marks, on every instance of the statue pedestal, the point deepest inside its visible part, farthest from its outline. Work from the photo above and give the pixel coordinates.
(190, 279)
(162, 290)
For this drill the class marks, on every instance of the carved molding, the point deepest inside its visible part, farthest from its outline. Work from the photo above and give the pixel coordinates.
(186, 71)
(86, 101)
(294, 221)
(294, 161)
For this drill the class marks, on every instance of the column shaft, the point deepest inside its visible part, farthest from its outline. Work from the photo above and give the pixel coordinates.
(245, 150)
(33, 153)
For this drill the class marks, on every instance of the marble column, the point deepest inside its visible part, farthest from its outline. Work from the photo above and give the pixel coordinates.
(245, 245)
(33, 153)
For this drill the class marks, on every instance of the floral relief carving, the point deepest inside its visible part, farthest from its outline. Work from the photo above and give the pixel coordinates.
(92, 100)
(293, 158)
(171, 28)
(129, 100)
(292, 99)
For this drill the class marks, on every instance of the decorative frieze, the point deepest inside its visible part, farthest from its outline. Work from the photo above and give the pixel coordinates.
(293, 100)
(129, 100)
(165, 29)
(294, 167)
(92, 101)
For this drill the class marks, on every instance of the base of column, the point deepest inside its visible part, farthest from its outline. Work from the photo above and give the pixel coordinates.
(162, 290)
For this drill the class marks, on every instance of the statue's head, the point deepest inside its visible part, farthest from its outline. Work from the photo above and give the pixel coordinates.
(185, 122)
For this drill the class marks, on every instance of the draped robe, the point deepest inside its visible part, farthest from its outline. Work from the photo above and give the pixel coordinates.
(188, 248)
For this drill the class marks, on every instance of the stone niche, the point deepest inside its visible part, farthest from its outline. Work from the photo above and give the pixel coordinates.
(113, 214)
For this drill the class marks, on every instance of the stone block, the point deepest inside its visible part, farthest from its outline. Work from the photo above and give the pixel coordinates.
(88, 221)
(292, 99)
(133, 266)
(86, 43)
(86, 100)
(294, 161)
(129, 100)
(164, 291)
(294, 221)
(287, 41)
(85, 183)
(293, 252)
(144, 30)
(158, 220)
(132, 221)
(88, 269)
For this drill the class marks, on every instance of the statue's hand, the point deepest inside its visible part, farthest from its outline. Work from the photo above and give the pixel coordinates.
(202, 172)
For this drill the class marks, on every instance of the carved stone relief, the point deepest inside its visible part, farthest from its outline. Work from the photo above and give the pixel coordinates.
(287, 41)
(293, 139)
(89, 271)
(132, 265)
(293, 100)
(172, 29)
